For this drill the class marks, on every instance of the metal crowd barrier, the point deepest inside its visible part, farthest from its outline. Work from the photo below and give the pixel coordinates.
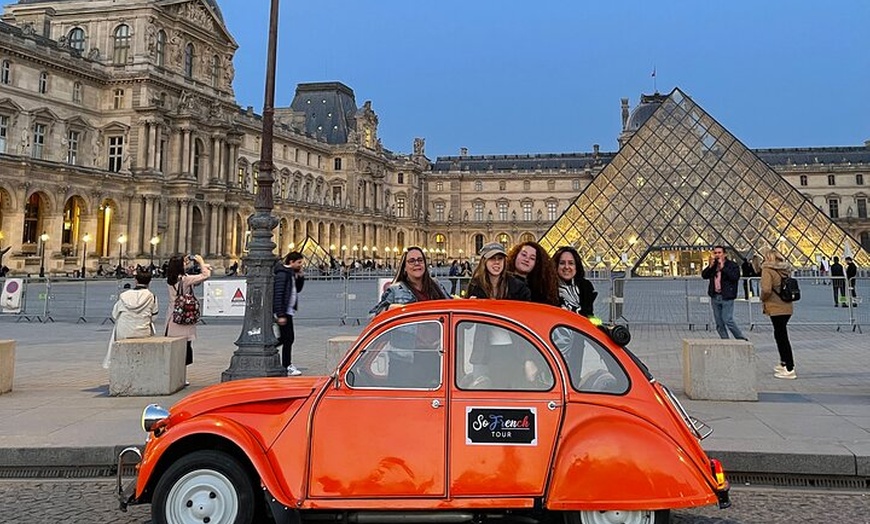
(348, 299)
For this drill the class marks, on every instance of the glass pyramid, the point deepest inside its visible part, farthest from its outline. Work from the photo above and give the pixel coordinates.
(682, 184)
(315, 255)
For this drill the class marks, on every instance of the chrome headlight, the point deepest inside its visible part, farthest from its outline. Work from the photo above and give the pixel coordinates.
(151, 415)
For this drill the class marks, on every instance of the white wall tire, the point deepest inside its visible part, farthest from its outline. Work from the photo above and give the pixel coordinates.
(204, 487)
(619, 517)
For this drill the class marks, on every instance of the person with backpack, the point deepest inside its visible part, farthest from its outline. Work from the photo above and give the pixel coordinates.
(180, 285)
(774, 270)
(289, 280)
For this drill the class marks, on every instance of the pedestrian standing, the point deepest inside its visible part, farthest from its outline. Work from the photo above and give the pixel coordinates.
(724, 275)
(454, 272)
(530, 262)
(838, 283)
(289, 280)
(575, 292)
(179, 282)
(851, 277)
(773, 270)
(412, 283)
(490, 280)
(824, 268)
(748, 275)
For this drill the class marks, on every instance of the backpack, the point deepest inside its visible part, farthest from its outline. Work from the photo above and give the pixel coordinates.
(789, 290)
(185, 310)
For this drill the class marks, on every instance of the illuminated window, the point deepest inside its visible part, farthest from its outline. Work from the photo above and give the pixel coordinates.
(400, 207)
(439, 186)
(551, 211)
(527, 211)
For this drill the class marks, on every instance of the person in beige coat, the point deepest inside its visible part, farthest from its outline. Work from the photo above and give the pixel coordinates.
(773, 270)
(177, 279)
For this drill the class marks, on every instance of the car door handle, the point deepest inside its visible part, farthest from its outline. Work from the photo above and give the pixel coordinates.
(436, 404)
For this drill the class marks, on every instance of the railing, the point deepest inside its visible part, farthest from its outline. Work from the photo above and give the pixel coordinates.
(347, 298)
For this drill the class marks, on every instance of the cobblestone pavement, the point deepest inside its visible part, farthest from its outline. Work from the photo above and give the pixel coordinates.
(89, 501)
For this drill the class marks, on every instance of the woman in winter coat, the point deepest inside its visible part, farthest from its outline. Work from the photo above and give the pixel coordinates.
(773, 270)
(135, 310)
(490, 280)
(412, 283)
(575, 292)
(179, 282)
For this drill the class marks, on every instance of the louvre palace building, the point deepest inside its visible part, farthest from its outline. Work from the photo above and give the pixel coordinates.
(121, 141)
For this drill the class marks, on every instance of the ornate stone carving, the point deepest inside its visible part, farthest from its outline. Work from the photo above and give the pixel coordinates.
(419, 146)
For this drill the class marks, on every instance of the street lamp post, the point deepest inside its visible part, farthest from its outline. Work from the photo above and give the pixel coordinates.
(256, 354)
(43, 238)
(85, 239)
(122, 239)
(154, 241)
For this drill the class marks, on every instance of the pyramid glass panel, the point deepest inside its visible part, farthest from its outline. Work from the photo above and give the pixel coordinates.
(682, 183)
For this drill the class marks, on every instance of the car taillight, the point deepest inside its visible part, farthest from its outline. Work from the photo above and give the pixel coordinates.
(719, 474)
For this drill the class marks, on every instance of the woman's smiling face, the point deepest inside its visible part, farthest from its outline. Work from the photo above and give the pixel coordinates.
(526, 259)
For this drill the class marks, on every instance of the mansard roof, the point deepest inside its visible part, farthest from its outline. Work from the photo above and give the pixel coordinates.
(547, 161)
(329, 109)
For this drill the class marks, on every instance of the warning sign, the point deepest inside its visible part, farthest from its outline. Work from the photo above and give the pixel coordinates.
(224, 298)
(10, 299)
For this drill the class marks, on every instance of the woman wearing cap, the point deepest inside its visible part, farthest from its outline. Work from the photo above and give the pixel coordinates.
(530, 262)
(575, 292)
(412, 283)
(490, 279)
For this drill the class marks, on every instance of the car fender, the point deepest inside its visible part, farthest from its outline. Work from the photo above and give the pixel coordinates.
(167, 446)
(608, 459)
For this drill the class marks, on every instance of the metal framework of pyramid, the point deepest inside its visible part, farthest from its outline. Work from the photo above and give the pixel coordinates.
(679, 186)
(315, 255)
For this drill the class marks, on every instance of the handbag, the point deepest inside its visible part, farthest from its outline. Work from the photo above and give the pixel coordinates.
(185, 309)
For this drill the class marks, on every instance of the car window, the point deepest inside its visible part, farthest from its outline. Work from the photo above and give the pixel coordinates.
(591, 366)
(490, 357)
(408, 356)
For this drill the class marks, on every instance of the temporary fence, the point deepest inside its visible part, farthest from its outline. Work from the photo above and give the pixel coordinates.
(348, 299)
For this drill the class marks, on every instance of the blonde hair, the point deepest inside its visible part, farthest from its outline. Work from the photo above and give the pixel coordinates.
(772, 256)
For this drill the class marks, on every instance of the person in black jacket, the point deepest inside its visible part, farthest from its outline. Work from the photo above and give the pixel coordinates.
(838, 282)
(289, 280)
(575, 292)
(851, 276)
(723, 275)
(490, 280)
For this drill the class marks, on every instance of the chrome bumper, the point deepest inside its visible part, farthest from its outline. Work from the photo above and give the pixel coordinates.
(125, 494)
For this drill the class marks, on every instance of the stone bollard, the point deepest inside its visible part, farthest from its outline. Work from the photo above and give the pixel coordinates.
(719, 369)
(336, 349)
(147, 366)
(7, 365)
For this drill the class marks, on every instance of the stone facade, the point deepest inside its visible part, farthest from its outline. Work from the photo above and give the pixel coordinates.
(121, 142)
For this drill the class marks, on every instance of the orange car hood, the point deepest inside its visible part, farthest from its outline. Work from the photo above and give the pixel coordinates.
(245, 391)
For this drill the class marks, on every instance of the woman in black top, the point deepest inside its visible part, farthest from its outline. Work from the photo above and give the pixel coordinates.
(490, 279)
(575, 292)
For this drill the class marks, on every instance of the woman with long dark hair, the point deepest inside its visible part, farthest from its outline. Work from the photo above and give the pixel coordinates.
(179, 283)
(412, 283)
(530, 262)
(575, 292)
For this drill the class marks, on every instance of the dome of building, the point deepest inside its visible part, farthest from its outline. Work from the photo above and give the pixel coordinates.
(644, 110)
(211, 3)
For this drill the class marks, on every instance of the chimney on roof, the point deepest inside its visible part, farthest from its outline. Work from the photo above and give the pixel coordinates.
(595, 150)
(463, 151)
(624, 113)
(250, 111)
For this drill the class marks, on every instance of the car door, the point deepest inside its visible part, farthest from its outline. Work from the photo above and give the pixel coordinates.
(506, 406)
(379, 432)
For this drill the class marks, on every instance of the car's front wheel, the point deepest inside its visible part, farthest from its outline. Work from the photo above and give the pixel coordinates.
(204, 487)
(618, 517)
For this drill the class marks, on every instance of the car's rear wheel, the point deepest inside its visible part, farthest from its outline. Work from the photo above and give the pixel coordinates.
(618, 517)
(204, 487)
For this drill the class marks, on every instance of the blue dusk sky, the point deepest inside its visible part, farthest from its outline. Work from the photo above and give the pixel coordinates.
(525, 77)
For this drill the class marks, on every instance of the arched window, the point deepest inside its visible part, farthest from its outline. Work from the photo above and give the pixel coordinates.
(188, 61)
(161, 47)
(122, 45)
(76, 39)
(32, 219)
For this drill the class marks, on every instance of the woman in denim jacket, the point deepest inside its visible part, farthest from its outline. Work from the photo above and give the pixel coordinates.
(411, 284)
